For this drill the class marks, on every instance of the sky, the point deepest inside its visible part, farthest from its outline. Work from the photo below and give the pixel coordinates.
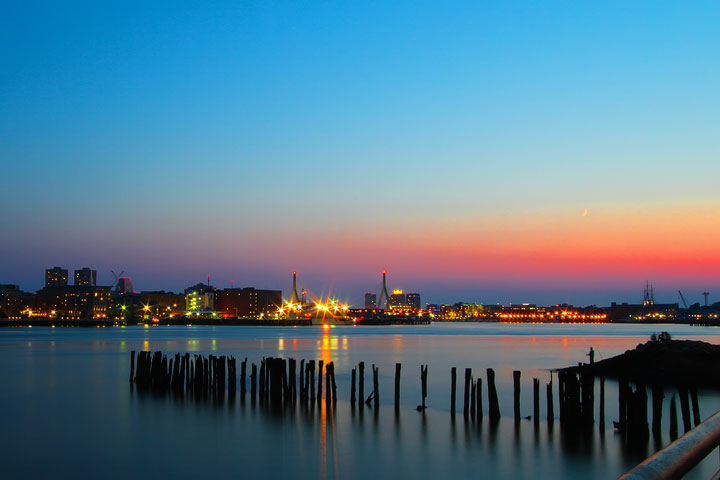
(498, 152)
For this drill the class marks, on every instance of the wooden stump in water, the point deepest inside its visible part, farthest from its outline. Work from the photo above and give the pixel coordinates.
(493, 406)
(132, 365)
(376, 388)
(673, 420)
(466, 394)
(516, 394)
(536, 401)
(453, 385)
(361, 383)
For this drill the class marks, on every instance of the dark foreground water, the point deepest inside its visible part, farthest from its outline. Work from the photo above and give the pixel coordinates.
(68, 411)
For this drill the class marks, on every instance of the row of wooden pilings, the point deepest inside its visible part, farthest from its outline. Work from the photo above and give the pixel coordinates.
(275, 380)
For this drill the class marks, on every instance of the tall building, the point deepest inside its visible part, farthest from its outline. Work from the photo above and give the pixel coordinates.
(370, 300)
(397, 299)
(56, 277)
(413, 301)
(85, 277)
(72, 301)
(248, 302)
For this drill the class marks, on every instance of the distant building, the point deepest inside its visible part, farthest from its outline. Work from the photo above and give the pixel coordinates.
(413, 301)
(73, 301)
(124, 286)
(370, 300)
(397, 300)
(248, 302)
(13, 301)
(163, 303)
(56, 277)
(85, 277)
(200, 298)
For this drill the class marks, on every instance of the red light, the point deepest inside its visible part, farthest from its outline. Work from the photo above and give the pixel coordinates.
(294, 272)
(384, 272)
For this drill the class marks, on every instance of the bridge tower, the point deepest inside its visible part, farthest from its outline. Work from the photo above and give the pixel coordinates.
(383, 294)
(294, 299)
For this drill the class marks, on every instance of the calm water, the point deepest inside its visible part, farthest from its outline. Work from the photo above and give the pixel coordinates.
(68, 410)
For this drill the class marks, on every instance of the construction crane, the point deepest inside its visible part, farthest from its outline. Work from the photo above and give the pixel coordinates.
(682, 297)
(706, 294)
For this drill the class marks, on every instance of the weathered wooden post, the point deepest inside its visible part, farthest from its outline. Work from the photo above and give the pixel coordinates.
(550, 406)
(453, 383)
(333, 384)
(423, 381)
(302, 379)
(473, 390)
(132, 365)
(587, 406)
(243, 377)
(466, 394)
(536, 401)
(262, 381)
(376, 388)
(328, 385)
(397, 385)
(293, 387)
(353, 380)
(493, 406)
(361, 384)
(602, 404)
(320, 373)
(479, 400)
(253, 382)
(516, 394)
(312, 381)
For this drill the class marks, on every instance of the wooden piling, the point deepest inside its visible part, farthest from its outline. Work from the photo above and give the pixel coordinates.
(376, 388)
(473, 390)
(320, 383)
(352, 386)
(602, 404)
(536, 401)
(466, 394)
(243, 376)
(312, 381)
(493, 406)
(587, 406)
(550, 404)
(253, 382)
(623, 390)
(516, 394)
(132, 366)
(293, 385)
(479, 400)
(302, 379)
(397, 385)
(361, 383)
(332, 382)
(453, 384)
(423, 382)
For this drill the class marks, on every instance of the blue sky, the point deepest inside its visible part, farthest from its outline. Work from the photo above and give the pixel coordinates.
(178, 139)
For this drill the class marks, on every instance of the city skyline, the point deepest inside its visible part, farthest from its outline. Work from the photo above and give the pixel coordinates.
(355, 297)
(495, 153)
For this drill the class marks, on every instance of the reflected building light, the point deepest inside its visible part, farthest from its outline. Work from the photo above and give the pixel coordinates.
(281, 344)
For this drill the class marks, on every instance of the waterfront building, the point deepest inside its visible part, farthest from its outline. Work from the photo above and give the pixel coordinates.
(73, 301)
(413, 301)
(200, 298)
(248, 302)
(86, 277)
(56, 277)
(13, 301)
(370, 301)
(397, 300)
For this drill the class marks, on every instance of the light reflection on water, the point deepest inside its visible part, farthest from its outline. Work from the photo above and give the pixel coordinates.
(66, 398)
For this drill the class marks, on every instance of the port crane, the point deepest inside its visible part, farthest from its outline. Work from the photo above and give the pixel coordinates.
(682, 297)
